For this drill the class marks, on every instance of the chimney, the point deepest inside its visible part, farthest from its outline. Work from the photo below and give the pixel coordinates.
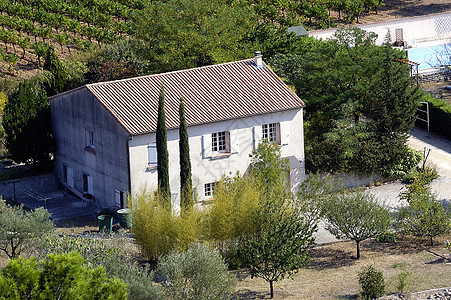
(258, 60)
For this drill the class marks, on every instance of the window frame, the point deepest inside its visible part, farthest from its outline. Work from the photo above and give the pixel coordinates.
(220, 142)
(271, 132)
(209, 189)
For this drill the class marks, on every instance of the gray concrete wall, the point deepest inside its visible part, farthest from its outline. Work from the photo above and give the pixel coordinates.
(41, 184)
(106, 163)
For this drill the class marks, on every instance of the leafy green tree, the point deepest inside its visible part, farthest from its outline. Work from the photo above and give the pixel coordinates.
(184, 34)
(186, 186)
(19, 228)
(270, 169)
(59, 277)
(162, 152)
(423, 216)
(196, 274)
(57, 77)
(280, 246)
(27, 124)
(356, 216)
(361, 103)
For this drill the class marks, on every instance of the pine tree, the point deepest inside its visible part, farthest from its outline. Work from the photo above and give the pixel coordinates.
(186, 187)
(58, 77)
(27, 124)
(162, 152)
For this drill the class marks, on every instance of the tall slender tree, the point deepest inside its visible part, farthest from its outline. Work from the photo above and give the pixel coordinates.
(162, 152)
(57, 77)
(186, 186)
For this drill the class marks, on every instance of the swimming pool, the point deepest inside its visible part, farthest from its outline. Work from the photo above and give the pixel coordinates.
(430, 56)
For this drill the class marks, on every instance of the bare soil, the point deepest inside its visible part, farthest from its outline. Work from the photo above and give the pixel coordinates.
(333, 270)
(439, 90)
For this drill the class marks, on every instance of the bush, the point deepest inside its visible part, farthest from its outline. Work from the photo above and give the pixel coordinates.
(196, 274)
(20, 228)
(424, 216)
(58, 277)
(439, 115)
(158, 230)
(372, 283)
(427, 174)
(386, 237)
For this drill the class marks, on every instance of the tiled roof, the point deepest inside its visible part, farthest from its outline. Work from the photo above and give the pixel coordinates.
(212, 93)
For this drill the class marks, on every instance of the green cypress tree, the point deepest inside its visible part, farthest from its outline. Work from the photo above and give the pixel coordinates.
(162, 152)
(58, 77)
(186, 187)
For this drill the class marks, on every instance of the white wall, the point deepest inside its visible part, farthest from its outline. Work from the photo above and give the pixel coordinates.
(415, 30)
(205, 170)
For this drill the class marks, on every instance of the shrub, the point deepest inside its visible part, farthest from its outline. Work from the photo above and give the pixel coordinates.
(427, 174)
(424, 216)
(101, 252)
(62, 276)
(372, 283)
(439, 115)
(404, 279)
(386, 237)
(158, 230)
(196, 274)
(20, 228)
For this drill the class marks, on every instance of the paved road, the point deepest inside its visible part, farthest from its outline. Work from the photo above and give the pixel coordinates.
(440, 156)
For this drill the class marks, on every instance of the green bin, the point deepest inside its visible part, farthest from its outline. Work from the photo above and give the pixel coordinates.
(105, 223)
(125, 217)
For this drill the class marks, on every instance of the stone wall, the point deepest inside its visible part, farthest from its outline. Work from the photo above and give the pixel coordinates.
(442, 74)
(41, 184)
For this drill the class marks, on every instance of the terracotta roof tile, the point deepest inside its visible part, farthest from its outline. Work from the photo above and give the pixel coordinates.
(212, 93)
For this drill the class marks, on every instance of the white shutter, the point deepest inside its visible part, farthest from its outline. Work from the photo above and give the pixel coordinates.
(284, 133)
(118, 198)
(257, 133)
(152, 154)
(90, 185)
(70, 177)
(206, 145)
(233, 138)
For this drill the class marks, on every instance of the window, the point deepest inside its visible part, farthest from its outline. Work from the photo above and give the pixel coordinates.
(220, 144)
(88, 185)
(89, 136)
(220, 141)
(271, 132)
(208, 189)
(120, 198)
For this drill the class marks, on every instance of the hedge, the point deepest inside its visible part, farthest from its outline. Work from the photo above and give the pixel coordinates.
(439, 115)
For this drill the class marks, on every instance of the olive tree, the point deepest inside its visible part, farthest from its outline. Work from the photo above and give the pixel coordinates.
(424, 216)
(355, 216)
(19, 228)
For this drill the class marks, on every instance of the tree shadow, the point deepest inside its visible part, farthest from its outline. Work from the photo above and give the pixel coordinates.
(248, 294)
(421, 10)
(320, 258)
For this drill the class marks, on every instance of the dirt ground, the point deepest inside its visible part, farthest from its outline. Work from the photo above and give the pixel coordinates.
(333, 270)
(441, 90)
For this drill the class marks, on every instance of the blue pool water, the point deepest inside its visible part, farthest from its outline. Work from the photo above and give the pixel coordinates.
(430, 57)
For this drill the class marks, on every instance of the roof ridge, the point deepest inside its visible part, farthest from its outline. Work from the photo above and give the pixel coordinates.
(167, 73)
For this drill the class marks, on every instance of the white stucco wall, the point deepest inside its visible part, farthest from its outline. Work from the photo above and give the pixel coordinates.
(206, 170)
(415, 30)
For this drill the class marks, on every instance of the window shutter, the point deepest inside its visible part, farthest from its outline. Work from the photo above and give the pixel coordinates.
(118, 198)
(90, 185)
(233, 138)
(284, 133)
(257, 133)
(70, 177)
(206, 145)
(152, 153)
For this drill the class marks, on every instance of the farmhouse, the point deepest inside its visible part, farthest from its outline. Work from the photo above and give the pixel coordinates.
(105, 132)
